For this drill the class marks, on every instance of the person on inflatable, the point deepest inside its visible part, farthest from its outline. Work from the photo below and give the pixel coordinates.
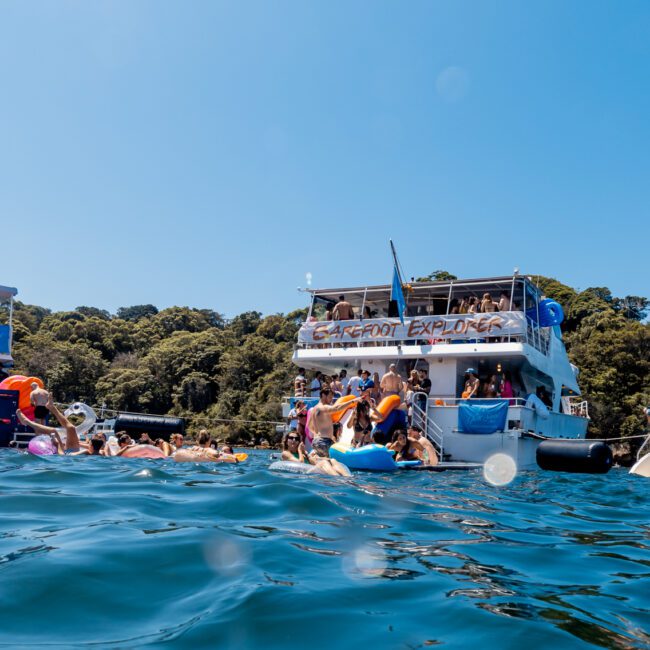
(404, 447)
(72, 444)
(428, 454)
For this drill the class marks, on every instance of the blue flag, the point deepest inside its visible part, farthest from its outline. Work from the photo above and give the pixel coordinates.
(397, 295)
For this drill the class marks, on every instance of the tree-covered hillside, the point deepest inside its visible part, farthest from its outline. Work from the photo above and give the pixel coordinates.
(194, 363)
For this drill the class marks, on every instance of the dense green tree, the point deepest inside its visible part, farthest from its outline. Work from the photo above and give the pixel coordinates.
(136, 312)
(94, 311)
(231, 376)
(437, 276)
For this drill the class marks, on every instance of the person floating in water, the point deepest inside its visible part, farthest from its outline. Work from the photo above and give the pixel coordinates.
(71, 443)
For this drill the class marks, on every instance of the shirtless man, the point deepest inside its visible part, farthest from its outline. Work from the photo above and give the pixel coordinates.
(471, 384)
(429, 455)
(504, 302)
(342, 310)
(38, 399)
(321, 422)
(391, 382)
(71, 443)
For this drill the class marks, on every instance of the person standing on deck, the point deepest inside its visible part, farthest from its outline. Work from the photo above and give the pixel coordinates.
(504, 302)
(321, 423)
(300, 384)
(391, 382)
(342, 310)
(353, 384)
(343, 377)
(316, 384)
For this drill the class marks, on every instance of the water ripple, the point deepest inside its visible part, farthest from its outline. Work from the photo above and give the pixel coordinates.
(154, 554)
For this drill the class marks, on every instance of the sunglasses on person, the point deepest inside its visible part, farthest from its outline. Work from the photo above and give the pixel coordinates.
(293, 438)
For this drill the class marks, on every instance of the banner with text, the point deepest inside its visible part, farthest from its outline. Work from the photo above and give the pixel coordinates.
(455, 326)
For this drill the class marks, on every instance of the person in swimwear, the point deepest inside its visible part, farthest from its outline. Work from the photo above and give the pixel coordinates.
(203, 451)
(362, 423)
(342, 310)
(176, 440)
(428, 453)
(404, 448)
(321, 423)
(391, 382)
(94, 448)
(293, 449)
(38, 399)
(71, 444)
(167, 449)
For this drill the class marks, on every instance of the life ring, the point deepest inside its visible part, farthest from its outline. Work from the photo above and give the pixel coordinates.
(550, 313)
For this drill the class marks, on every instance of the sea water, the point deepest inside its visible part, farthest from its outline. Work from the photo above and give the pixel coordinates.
(119, 553)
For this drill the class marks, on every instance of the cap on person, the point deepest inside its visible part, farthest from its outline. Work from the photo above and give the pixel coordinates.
(392, 365)
(471, 371)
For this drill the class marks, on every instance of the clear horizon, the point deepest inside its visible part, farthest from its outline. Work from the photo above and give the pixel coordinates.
(212, 156)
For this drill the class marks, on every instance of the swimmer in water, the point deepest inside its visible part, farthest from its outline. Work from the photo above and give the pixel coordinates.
(71, 444)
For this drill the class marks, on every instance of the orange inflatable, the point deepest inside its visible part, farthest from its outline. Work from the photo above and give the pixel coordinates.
(24, 387)
(387, 405)
(336, 417)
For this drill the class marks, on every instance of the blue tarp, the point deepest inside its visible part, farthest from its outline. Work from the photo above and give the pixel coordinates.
(309, 401)
(486, 416)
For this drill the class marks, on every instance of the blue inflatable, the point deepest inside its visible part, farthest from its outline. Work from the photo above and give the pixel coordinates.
(371, 458)
(550, 313)
(383, 431)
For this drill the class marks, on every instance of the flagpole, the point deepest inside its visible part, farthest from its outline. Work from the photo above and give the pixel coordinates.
(396, 261)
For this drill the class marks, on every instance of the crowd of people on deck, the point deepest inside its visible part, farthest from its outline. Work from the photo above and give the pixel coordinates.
(367, 389)
(206, 447)
(470, 304)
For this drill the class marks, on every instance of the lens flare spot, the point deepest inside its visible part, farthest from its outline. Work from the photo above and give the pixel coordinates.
(365, 562)
(499, 469)
(225, 556)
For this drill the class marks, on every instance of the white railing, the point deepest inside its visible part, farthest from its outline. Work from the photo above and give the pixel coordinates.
(430, 428)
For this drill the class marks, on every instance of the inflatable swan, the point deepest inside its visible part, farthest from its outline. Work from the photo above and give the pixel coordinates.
(79, 408)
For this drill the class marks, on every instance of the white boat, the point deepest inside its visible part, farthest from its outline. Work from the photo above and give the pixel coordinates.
(518, 341)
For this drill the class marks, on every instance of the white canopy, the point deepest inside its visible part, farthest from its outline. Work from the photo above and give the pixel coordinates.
(7, 292)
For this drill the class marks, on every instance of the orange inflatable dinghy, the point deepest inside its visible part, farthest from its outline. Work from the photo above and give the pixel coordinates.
(24, 387)
(387, 405)
(336, 417)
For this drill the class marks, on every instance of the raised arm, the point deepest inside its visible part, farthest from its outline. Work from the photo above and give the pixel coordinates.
(334, 408)
(71, 439)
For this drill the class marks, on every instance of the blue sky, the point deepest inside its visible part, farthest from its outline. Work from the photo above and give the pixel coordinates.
(212, 153)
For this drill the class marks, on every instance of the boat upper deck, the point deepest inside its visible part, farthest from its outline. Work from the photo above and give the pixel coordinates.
(488, 310)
